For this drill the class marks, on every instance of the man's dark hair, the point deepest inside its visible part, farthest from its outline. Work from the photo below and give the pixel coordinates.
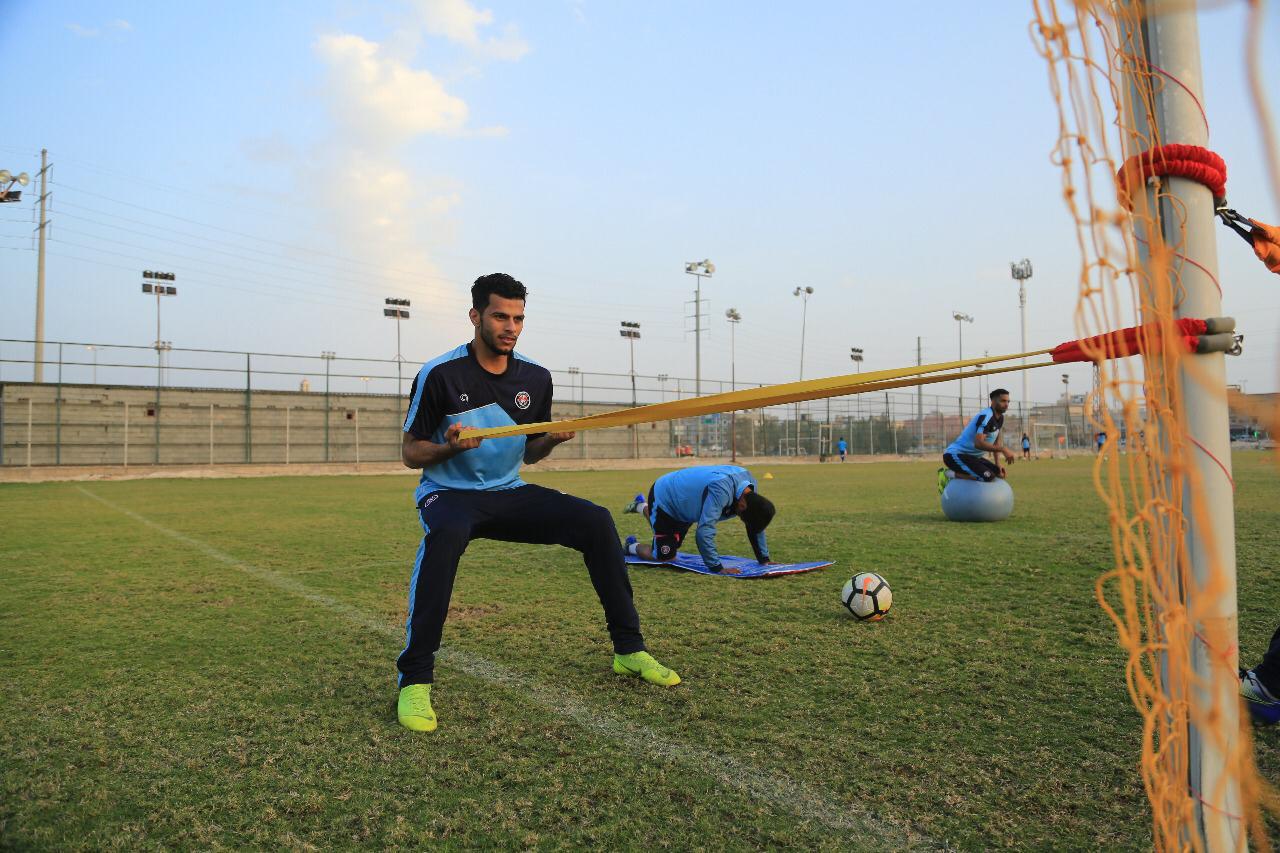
(758, 512)
(499, 283)
(995, 393)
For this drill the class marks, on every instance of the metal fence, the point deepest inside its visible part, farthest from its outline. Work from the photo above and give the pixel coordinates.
(106, 404)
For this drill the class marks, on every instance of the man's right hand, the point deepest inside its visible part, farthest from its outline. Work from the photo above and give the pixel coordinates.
(456, 442)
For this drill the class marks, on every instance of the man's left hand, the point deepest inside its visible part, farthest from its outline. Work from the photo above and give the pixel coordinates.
(560, 437)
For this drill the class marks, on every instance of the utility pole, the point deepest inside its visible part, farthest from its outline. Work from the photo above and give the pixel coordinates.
(631, 331)
(698, 269)
(43, 228)
(1021, 272)
(920, 396)
(397, 309)
(328, 357)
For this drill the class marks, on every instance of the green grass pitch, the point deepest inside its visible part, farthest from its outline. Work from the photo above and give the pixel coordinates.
(210, 663)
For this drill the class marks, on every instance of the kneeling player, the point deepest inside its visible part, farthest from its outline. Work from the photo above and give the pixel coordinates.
(706, 495)
(982, 435)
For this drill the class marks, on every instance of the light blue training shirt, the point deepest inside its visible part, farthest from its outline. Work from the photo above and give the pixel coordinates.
(986, 421)
(704, 495)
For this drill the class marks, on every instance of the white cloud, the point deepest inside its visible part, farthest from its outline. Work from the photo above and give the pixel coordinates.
(120, 24)
(377, 96)
(460, 22)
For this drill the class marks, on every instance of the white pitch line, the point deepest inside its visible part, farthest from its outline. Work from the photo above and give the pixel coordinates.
(801, 799)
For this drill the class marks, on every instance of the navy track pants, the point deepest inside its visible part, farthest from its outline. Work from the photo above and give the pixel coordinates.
(531, 514)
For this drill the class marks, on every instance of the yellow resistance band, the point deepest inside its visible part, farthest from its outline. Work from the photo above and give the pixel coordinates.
(770, 395)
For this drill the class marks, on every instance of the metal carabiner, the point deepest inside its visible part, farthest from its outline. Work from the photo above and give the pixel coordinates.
(1236, 222)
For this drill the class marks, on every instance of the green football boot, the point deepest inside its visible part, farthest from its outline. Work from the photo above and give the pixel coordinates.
(642, 665)
(414, 708)
(943, 479)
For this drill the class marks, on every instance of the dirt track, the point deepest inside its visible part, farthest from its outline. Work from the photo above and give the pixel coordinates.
(50, 474)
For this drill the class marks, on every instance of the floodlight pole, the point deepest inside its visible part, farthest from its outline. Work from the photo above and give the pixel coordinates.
(961, 319)
(1021, 271)
(1169, 39)
(582, 445)
(397, 309)
(1066, 411)
(631, 331)
(734, 319)
(328, 357)
(855, 354)
(804, 293)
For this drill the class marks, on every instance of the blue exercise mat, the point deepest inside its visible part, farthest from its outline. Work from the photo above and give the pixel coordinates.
(750, 568)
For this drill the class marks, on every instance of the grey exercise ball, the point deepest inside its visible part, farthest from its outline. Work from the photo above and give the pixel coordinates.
(974, 500)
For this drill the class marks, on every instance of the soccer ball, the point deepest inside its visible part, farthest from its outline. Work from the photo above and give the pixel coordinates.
(867, 596)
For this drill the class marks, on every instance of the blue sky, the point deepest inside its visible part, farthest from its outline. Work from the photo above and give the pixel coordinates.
(295, 163)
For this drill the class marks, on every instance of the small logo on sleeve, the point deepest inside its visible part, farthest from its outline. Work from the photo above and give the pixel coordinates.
(523, 400)
(463, 398)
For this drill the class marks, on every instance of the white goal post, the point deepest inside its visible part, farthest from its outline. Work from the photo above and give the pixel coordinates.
(1051, 439)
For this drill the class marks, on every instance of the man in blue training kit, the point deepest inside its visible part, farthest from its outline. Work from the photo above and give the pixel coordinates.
(964, 455)
(842, 448)
(706, 495)
(471, 488)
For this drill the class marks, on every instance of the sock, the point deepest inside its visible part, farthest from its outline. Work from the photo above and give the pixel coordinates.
(631, 548)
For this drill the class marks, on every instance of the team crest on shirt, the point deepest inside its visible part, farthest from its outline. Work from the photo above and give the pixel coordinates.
(523, 400)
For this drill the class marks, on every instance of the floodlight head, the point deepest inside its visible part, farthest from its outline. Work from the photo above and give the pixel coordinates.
(5, 176)
(732, 315)
(709, 267)
(23, 179)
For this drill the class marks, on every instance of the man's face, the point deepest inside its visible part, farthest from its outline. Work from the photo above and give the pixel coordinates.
(501, 323)
(1000, 404)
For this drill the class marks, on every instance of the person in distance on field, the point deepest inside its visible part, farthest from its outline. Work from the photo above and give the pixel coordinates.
(1026, 446)
(963, 457)
(842, 447)
(705, 495)
(471, 488)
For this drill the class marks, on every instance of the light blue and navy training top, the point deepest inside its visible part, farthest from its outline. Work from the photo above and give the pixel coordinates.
(454, 388)
(841, 446)
(705, 495)
(988, 423)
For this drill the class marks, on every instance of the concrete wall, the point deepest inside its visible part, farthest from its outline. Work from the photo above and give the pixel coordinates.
(49, 424)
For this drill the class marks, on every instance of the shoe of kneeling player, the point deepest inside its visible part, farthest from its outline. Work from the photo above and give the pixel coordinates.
(1263, 706)
(635, 505)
